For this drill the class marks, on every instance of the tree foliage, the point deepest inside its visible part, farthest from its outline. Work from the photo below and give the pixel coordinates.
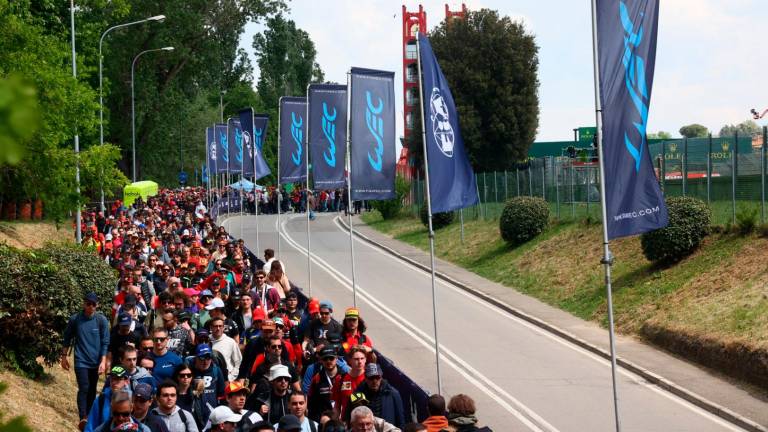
(747, 128)
(694, 130)
(660, 135)
(491, 64)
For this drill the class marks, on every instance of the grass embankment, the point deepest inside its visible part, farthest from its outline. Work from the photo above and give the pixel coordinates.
(48, 404)
(712, 307)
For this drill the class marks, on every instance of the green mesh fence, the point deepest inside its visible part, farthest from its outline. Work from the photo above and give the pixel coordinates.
(726, 172)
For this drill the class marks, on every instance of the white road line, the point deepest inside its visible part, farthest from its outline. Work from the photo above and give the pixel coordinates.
(632, 376)
(526, 415)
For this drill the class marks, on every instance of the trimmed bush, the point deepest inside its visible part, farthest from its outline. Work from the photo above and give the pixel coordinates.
(439, 220)
(38, 294)
(523, 219)
(390, 209)
(689, 223)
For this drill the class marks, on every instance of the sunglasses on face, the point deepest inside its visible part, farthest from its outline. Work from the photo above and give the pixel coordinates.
(159, 339)
(185, 375)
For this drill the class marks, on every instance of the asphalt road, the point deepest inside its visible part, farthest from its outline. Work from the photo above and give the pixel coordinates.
(521, 377)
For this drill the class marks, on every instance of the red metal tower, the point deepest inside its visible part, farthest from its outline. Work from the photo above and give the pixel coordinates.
(458, 14)
(412, 22)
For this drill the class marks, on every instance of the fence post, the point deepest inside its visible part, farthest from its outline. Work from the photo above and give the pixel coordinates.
(734, 156)
(762, 175)
(685, 166)
(543, 178)
(709, 170)
(557, 188)
(477, 188)
(506, 186)
(589, 182)
(573, 197)
(485, 197)
(663, 166)
(495, 188)
(517, 179)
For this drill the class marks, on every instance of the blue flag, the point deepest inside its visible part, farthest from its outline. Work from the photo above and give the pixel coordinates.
(328, 134)
(246, 122)
(293, 129)
(220, 132)
(372, 134)
(451, 179)
(235, 139)
(211, 149)
(259, 135)
(203, 174)
(626, 40)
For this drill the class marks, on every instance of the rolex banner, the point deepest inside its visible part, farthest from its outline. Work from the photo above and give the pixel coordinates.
(293, 128)
(260, 122)
(372, 134)
(452, 183)
(235, 139)
(246, 122)
(328, 134)
(211, 149)
(222, 146)
(626, 40)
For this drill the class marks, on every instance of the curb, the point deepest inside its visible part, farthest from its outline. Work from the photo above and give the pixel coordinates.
(693, 398)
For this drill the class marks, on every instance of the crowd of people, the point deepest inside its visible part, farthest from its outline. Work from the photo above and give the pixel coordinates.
(204, 336)
(295, 199)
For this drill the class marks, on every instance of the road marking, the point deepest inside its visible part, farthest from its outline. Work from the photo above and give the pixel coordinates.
(526, 415)
(630, 375)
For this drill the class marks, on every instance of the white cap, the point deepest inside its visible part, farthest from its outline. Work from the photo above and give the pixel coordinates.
(278, 371)
(108, 237)
(215, 304)
(222, 414)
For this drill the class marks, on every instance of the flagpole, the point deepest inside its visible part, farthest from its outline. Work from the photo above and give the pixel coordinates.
(256, 199)
(242, 185)
(279, 142)
(349, 196)
(309, 237)
(429, 221)
(229, 172)
(607, 257)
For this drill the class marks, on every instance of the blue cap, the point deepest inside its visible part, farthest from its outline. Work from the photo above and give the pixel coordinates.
(206, 293)
(202, 332)
(91, 297)
(203, 350)
(143, 390)
(325, 304)
(124, 319)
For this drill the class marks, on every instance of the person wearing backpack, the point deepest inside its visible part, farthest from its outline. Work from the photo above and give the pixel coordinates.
(89, 330)
(205, 369)
(174, 418)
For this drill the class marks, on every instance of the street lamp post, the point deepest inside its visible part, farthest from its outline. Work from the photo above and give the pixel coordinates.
(133, 108)
(158, 18)
(78, 228)
(221, 104)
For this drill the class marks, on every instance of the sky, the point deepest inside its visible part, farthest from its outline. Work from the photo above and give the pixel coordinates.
(711, 60)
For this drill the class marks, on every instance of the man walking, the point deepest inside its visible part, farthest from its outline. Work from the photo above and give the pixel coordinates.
(89, 330)
(174, 418)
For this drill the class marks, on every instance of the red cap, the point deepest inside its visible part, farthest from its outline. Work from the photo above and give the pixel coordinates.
(314, 306)
(258, 314)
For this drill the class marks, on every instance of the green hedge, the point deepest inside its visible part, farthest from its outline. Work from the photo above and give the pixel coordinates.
(391, 208)
(523, 218)
(689, 223)
(39, 290)
(439, 220)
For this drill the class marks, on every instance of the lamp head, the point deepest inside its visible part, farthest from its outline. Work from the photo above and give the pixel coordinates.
(167, 48)
(158, 18)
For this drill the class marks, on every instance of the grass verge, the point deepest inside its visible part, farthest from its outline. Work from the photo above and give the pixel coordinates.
(715, 300)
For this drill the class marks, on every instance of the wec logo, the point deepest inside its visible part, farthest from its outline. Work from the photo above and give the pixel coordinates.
(442, 130)
(634, 80)
(224, 147)
(329, 130)
(239, 145)
(212, 146)
(376, 126)
(297, 135)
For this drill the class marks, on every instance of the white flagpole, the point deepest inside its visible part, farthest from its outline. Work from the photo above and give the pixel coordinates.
(349, 194)
(279, 143)
(229, 172)
(607, 257)
(429, 221)
(309, 237)
(242, 186)
(256, 199)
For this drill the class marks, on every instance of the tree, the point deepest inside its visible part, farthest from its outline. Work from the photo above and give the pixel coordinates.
(745, 128)
(491, 64)
(660, 135)
(694, 130)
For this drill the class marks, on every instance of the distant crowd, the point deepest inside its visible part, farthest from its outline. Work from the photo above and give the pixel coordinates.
(204, 336)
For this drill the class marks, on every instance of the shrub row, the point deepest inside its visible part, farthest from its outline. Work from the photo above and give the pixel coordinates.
(39, 290)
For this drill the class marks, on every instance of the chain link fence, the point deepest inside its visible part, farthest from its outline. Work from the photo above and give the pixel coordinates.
(728, 173)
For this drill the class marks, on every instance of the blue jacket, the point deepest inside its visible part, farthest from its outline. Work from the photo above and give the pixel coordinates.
(107, 426)
(390, 404)
(91, 337)
(165, 365)
(101, 410)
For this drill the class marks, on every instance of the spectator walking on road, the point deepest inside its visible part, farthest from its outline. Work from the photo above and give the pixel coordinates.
(121, 418)
(461, 415)
(384, 400)
(89, 330)
(165, 360)
(227, 346)
(174, 418)
(102, 408)
(437, 421)
(363, 420)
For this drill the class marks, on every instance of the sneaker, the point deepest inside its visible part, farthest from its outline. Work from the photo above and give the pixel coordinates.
(81, 425)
